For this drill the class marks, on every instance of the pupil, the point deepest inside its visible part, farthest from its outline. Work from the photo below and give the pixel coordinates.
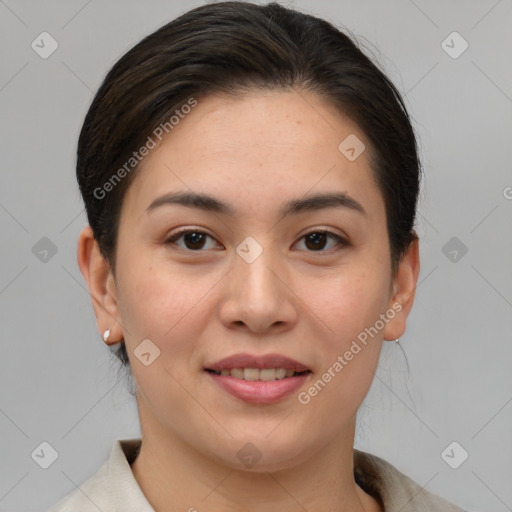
(195, 238)
(316, 237)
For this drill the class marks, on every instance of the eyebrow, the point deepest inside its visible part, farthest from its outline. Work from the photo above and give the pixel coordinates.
(209, 203)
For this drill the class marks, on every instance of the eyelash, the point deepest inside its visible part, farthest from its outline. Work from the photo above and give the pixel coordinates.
(341, 242)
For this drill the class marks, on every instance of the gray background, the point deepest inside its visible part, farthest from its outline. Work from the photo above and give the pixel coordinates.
(59, 383)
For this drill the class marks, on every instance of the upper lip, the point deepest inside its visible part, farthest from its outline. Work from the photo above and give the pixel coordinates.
(257, 361)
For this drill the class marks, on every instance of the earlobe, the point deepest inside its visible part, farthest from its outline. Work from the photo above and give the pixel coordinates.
(404, 289)
(100, 281)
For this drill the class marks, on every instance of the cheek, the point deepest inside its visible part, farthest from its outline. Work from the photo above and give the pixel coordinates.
(350, 306)
(349, 354)
(350, 302)
(161, 305)
(167, 308)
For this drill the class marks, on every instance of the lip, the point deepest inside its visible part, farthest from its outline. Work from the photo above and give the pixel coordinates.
(258, 392)
(257, 361)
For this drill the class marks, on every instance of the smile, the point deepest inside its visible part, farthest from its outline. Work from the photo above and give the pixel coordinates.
(256, 374)
(258, 379)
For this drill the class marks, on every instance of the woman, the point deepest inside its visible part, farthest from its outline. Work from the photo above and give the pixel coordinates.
(251, 181)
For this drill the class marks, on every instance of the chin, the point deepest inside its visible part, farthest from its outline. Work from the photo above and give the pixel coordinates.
(263, 455)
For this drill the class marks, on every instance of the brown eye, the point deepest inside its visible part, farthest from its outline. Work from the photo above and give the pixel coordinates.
(316, 241)
(193, 240)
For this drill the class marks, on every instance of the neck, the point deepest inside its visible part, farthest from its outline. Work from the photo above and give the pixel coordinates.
(175, 477)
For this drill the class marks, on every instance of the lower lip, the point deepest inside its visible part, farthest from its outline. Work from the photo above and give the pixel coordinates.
(259, 392)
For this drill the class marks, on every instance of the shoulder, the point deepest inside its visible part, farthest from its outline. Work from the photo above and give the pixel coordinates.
(395, 490)
(93, 495)
(113, 488)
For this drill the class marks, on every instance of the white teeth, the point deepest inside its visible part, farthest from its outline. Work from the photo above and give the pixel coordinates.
(281, 373)
(268, 374)
(253, 374)
(237, 372)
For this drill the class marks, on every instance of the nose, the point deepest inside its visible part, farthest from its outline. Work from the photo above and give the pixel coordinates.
(259, 297)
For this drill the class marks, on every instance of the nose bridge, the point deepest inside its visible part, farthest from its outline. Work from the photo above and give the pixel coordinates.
(255, 279)
(257, 295)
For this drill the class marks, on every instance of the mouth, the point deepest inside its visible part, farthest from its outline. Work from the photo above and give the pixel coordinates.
(256, 374)
(258, 379)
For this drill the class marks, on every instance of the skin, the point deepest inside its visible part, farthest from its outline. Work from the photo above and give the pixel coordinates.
(200, 305)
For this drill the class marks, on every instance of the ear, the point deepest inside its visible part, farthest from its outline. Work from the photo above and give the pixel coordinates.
(403, 291)
(101, 283)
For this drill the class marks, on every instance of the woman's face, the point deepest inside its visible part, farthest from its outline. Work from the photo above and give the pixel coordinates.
(257, 284)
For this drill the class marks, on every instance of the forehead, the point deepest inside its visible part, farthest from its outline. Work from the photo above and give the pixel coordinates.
(268, 145)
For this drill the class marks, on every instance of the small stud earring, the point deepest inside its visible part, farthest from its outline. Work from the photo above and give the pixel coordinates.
(106, 335)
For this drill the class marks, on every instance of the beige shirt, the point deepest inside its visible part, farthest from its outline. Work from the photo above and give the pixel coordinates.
(114, 488)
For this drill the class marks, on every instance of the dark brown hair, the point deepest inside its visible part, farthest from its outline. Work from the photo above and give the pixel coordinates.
(234, 48)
